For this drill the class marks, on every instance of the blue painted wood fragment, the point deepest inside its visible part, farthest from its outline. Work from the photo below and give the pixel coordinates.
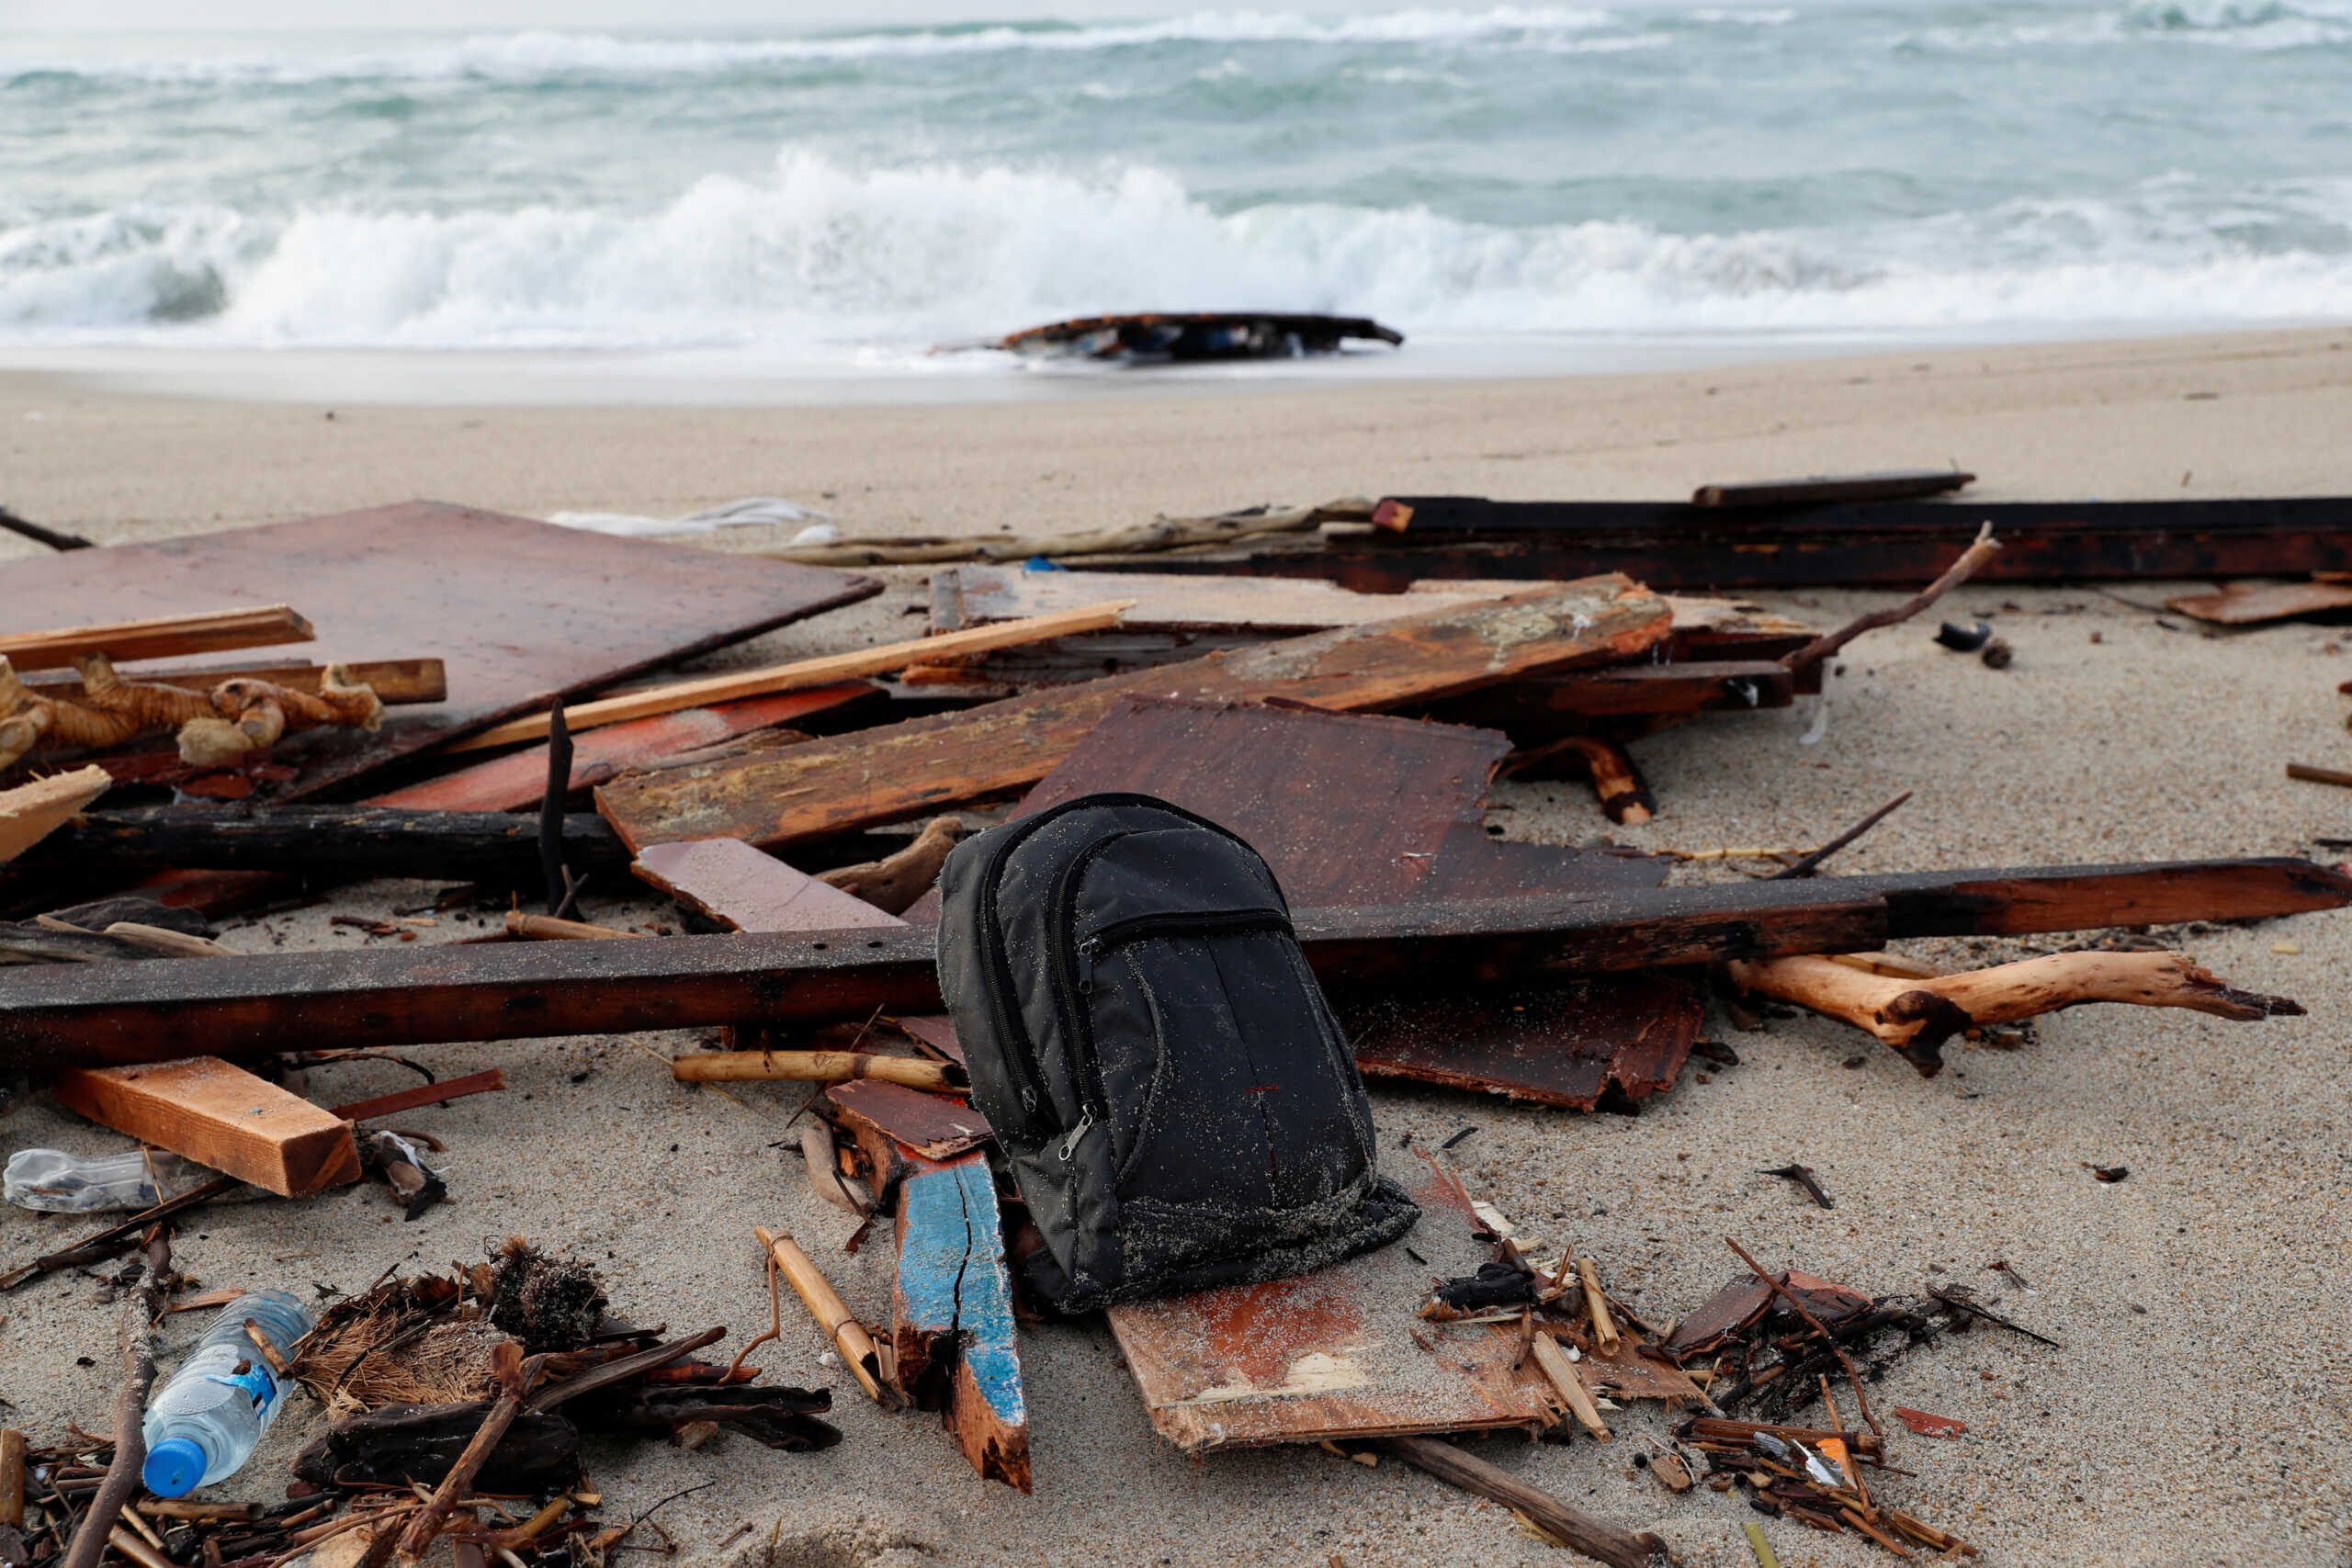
(952, 1326)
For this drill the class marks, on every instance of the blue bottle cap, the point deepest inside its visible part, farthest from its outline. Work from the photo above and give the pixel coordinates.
(174, 1467)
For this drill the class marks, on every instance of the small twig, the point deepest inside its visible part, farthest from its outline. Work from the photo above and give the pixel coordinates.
(515, 1377)
(53, 538)
(1806, 866)
(775, 1324)
(1803, 1176)
(1949, 1298)
(1814, 1323)
(1975, 556)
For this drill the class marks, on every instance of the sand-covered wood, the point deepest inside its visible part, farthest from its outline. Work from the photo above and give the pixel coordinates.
(30, 812)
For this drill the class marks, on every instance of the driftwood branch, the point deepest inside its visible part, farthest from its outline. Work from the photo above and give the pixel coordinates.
(896, 881)
(92, 1536)
(1916, 1017)
(1959, 571)
(1595, 1538)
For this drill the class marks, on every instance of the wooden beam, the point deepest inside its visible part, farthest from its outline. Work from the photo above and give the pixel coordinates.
(334, 840)
(98, 1014)
(32, 812)
(167, 637)
(1896, 484)
(218, 1115)
(825, 787)
(396, 681)
(799, 675)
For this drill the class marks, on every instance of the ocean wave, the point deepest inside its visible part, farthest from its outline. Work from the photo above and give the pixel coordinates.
(821, 257)
(537, 55)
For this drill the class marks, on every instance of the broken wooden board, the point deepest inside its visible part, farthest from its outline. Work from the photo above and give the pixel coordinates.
(500, 848)
(112, 1014)
(1625, 1373)
(32, 812)
(521, 612)
(1575, 1046)
(933, 1125)
(1335, 1353)
(218, 1115)
(936, 1034)
(2251, 604)
(951, 1314)
(837, 786)
(751, 891)
(1894, 484)
(520, 778)
(1857, 544)
(169, 635)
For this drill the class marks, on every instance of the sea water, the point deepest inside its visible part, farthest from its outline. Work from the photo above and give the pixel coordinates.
(1512, 184)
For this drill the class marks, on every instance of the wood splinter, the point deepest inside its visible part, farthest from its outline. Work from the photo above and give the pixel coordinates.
(1916, 1017)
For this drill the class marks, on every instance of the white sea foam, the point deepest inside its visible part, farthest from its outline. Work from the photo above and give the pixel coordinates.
(822, 260)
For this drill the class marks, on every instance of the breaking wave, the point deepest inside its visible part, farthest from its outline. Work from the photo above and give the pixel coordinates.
(820, 258)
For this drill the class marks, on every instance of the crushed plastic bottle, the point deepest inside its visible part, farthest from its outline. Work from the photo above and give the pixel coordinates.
(205, 1423)
(57, 1183)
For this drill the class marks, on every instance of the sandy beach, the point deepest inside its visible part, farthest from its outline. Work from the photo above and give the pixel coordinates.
(2198, 1412)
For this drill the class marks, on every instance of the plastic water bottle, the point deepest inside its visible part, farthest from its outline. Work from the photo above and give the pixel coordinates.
(206, 1422)
(57, 1183)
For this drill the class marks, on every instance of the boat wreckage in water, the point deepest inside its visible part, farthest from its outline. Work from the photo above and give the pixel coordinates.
(1163, 337)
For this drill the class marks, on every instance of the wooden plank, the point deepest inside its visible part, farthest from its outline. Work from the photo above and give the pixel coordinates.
(799, 675)
(1896, 484)
(1335, 1353)
(977, 595)
(218, 1115)
(32, 812)
(521, 612)
(397, 682)
(115, 1014)
(2248, 604)
(951, 1314)
(519, 779)
(936, 1126)
(1573, 1045)
(159, 637)
(829, 786)
(749, 890)
(1863, 543)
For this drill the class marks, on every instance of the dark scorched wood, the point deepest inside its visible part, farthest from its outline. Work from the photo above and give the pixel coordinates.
(496, 847)
(100, 1015)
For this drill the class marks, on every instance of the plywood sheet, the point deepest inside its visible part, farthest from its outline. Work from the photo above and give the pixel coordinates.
(751, 891)
(521, 612)
(1335, 1353)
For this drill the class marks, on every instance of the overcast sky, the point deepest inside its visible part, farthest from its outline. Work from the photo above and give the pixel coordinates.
(663, 16)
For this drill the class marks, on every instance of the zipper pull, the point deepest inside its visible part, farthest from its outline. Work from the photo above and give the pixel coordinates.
(1086, 954)
(1070, 1144)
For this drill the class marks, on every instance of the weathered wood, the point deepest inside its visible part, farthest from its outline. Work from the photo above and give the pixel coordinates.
(392, 1104)
(12, 1478)
(893, 882)
(99, 1015)
(1572, 1044)
(882, 775)
(1859, 543)
(520, 778)
(396, 681)
(522, 612)
(2244, 605)
(1162, 534)
(799, 674)
(1595, 1538)
(933, 1125)
(218, 1115)
(349, 841)
(538, 1451)
(524, 926)
(1894, 484)
(32, 812)
(1916, 1017)
(164, 636)
(951, 1314)
(1332, 1353)
(751, 891)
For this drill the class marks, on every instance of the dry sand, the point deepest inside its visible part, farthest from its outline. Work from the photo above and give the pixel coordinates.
(2199, 1412)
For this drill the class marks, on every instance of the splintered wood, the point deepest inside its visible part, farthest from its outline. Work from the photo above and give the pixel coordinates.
(1332, 1353)
(828, 786)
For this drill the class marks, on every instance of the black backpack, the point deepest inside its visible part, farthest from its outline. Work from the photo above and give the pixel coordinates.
(1178, 1104)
